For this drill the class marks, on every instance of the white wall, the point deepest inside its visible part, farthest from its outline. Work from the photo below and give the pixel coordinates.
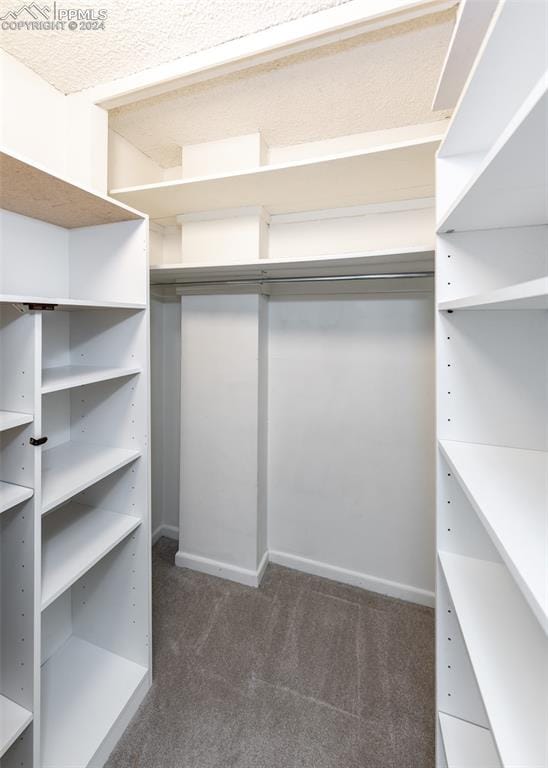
(223, 418)
(345, 230)
(165, 344)
(156, 407)
(386, 226)
(351, 438)
(67, 135)
(127, 165)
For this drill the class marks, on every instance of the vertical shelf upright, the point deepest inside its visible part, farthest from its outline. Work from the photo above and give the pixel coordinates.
(18, 589)
(492, 404)
(75, 657)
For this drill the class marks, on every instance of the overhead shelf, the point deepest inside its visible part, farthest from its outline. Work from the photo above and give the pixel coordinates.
(508, 488)
(498, 82)
(64, 303)
(11, 419)
(68, 376)
(29, 190)
(386, 173)
(85, 689)
(11, 495)
(532, 294)
(71, 467)
(467, 745)
(413, 258)
(508, 188)
(13, 721)
(472, 22)
(74, 539)
(507, 649)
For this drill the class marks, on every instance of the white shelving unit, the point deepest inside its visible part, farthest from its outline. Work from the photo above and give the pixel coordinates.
(532, 294)
(467, 745)
(11, 419)
(505, 187)
(396, 171)
(11, 495)
(74, 370)
(498, 481)
(13, 721)
(68, 376)
(413, 258)
(492, 393)
(85, 692)
(497, 626)
(72, 467)
(67, 304)
(74, 540)
(488, 116)
(473, 19)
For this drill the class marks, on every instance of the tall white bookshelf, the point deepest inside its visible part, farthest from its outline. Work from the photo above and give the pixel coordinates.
(492, 382)
(74, 509)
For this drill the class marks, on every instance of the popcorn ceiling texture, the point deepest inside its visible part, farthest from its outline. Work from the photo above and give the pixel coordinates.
(142, 33)
(382, 79)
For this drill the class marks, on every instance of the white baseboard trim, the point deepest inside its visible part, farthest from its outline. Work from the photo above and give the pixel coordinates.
(262, 566)
(170, 531)
(223, 570)
(354, 578)
(316, 568)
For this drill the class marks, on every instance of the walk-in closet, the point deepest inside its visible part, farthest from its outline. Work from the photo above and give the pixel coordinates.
(274, 384)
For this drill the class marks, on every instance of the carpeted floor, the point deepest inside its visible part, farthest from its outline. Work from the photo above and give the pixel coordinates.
(301, 673)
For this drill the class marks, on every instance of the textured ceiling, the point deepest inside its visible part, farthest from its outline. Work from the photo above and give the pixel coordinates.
(381, 79)
(140, 34)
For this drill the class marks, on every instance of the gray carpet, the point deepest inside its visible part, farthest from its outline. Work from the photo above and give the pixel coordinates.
(301, 673)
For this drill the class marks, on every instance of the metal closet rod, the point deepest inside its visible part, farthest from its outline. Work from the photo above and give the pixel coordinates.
(310, 279)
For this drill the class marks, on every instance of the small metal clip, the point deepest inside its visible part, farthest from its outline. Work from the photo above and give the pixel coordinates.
(38, 440)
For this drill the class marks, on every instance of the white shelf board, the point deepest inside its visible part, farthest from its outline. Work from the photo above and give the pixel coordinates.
(71, 467)
(532, 294)
(508, 488)
(11, 495)
(467, 745)
(390, 172)
(13, 721)
(498, 82)
(473, 19)
(65, 303)
(416, 257)
(509, 188)
(84, 691)
(11, 419)
(31, 190)
(68, 376)
(508, 651)
(74, 539)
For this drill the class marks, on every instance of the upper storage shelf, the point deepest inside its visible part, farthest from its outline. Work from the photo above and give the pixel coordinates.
(492, 162)
(420, 259)
(31, 191)
(499, 82)
(506, 187)
(391, 172)
(472, 22)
